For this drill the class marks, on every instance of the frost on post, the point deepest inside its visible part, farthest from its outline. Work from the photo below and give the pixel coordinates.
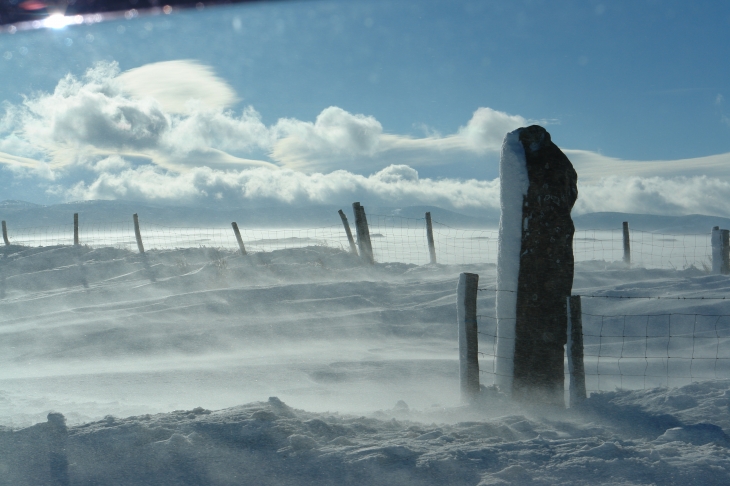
(535, 265)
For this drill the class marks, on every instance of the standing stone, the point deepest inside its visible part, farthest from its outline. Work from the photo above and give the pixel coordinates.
(57, 442)
(546, 270)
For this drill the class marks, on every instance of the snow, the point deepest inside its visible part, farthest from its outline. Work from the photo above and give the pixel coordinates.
(513, 183)
(163, 367)
(269, 442)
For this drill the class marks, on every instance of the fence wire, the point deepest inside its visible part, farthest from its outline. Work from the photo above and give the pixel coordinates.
(119, 234)
(487, 334)
(636, 351)
(398, 239)
(161, 237)
(646, 351)
(457, 246)
(648, 250)
(394, 239)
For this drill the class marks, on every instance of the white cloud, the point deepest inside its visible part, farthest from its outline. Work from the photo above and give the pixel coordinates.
(113, 163)
(173, 84)
(204, 128)
(340, 139)
(336, 136)
(105, 113)
(487, 128)
(393, 185)
(592, 166)
(95, 140)
(92, 118)
(92, 112)
(655, 195)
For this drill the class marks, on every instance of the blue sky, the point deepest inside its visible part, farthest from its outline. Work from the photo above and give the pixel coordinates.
(618, 84)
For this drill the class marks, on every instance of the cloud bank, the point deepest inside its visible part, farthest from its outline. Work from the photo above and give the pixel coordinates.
(144, 135)
(397, 184)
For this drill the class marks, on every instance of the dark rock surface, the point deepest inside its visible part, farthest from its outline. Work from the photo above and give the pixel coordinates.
(546, 269)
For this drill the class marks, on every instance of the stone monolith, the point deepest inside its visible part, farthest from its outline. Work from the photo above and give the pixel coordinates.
(545, 276)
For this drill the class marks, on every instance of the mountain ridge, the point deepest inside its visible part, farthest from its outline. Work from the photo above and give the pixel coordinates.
(26, 214)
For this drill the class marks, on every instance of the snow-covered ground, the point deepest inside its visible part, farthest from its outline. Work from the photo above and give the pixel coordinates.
(137, 351)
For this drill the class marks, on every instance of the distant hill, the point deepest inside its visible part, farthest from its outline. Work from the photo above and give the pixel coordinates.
(13, 205)
(23, 214)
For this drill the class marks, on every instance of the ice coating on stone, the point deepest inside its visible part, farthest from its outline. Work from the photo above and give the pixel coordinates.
(513, 184)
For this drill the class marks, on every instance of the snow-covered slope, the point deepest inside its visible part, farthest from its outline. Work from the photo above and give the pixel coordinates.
(648, 437)
(363, 361)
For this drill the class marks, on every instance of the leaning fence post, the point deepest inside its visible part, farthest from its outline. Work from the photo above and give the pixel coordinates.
(716, 242)
(5, 234)
(137, 233)
(76, 229)
(575, 352)
(363, 233)
(353, 248)
(238, 238)
(466, 317)
(429, 237)
(725, 237)
(627, 244)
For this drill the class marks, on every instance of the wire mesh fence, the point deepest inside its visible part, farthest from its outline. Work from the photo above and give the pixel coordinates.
(118, 234)
(159, 237)
(636, 351)
(648, 250)
(646, 351)
(487, 334)
(455, 246)
(398, 239)
(394, 239)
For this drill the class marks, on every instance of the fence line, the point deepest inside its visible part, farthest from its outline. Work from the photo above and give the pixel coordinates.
(649, 250)
(394, 239)
(646, 297)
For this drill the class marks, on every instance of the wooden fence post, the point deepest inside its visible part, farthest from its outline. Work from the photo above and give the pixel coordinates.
(725, 236)
(716, 242)
(429, 237)
(76, 229)
(137, 233)
(574, 350)
(238, 238)
(353, 248)
(363, 233)
(466, 317)
(5, 234)
(627, 244)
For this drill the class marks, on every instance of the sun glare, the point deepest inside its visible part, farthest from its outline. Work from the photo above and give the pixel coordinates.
(59, 21)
